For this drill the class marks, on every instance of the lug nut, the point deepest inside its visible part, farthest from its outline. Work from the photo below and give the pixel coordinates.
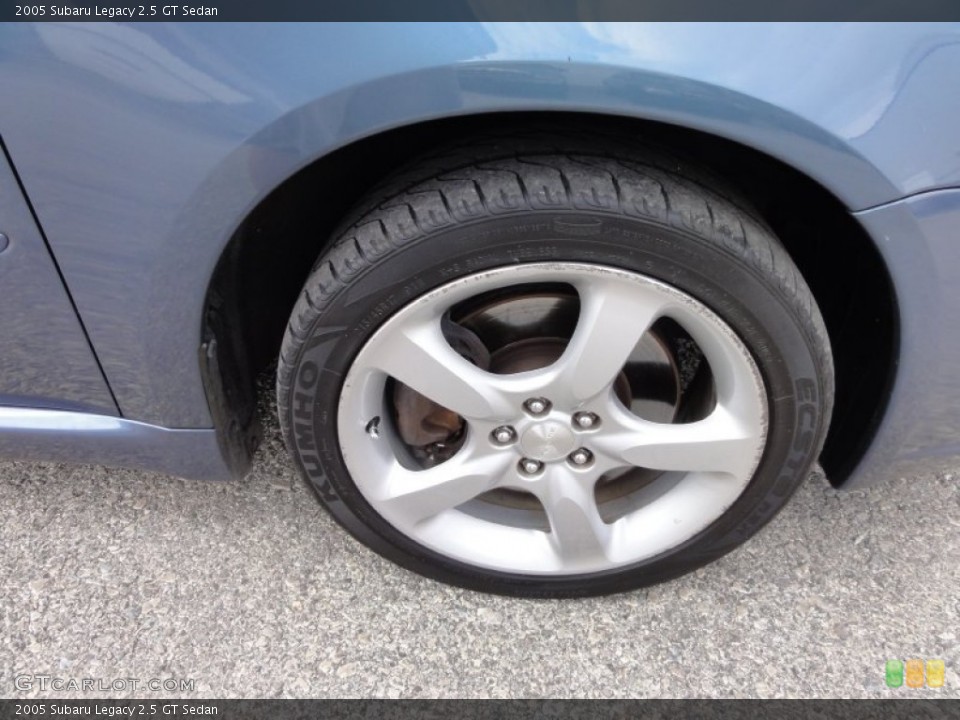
(529, 466)
(582, 456)
(504, 435)
(586, 420)
(537, 406)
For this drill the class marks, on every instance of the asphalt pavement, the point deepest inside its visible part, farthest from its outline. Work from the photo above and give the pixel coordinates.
(248, 589)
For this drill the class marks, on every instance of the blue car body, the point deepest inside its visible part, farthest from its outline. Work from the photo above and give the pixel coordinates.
(136, 154)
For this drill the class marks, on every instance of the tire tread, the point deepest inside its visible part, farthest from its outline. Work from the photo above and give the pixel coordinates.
(495, 175)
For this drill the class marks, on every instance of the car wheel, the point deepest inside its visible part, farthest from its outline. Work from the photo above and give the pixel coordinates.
(554, 374)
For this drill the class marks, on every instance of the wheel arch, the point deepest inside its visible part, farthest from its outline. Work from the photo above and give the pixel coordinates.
(268, 255)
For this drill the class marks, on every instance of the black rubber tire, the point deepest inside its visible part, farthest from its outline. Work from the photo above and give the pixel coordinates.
(501, 202)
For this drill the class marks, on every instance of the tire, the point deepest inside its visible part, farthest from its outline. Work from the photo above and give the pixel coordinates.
(683, 365)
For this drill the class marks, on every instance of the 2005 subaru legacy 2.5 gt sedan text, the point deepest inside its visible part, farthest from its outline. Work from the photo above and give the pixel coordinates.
(556, 309)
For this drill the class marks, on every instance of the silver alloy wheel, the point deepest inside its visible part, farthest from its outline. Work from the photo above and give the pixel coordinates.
(707, 463)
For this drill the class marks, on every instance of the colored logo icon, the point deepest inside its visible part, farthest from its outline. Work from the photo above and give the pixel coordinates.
(911, 672)
(915, 673)
(935, 673)
(894, 673)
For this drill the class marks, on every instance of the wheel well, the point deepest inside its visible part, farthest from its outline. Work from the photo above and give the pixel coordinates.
(265, 264)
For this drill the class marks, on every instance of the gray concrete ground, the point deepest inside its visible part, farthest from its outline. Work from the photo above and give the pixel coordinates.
(250, 590)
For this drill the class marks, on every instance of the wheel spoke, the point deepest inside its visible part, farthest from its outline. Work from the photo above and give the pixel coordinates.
(577, 531)
(718, 443)
(418, 495)
(613, 318)
(420, 357)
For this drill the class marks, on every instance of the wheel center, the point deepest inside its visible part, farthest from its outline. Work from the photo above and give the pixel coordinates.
(547, 440)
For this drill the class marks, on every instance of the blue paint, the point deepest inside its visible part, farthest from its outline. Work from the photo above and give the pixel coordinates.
(143, 147)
